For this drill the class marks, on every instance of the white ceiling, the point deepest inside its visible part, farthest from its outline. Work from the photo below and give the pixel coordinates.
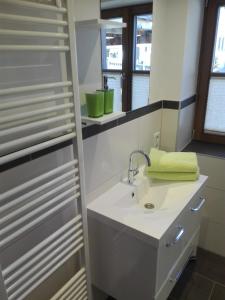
(106, 4)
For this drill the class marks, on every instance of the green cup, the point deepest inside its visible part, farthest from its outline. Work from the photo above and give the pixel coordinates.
(108, 100)
(95, 104)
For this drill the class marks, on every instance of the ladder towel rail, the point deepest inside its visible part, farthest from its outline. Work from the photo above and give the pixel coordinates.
(30, 4)
(41, 261)
(38, 45)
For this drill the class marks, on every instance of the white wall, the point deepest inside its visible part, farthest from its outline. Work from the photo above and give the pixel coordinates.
(175, 48)
(175, 53)
(86, 9)
(88, 47)
(168, 40)
(192, 45)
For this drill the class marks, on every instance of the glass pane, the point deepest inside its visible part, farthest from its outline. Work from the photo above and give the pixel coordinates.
(114, 82)
(140, 90)
(112, 50)
(142, 42)
(218, 64)
(215, 112)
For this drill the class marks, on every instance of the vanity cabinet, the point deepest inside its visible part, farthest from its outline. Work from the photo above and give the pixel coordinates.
(177, 246)
(130, 264)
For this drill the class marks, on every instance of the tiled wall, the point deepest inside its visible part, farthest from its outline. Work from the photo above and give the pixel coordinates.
(212, 235)
(169, 129)
(106, 154)
(213, 221)
(185, 127)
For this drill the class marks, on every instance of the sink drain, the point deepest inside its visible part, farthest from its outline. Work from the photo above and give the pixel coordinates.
(149, 205)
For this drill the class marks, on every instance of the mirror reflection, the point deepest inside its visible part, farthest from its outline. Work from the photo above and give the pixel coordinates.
(126, 52)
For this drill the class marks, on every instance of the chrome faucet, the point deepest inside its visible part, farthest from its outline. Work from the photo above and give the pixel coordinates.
(134, 171)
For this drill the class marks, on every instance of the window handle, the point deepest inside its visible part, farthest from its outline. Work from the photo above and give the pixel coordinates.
(123, 75)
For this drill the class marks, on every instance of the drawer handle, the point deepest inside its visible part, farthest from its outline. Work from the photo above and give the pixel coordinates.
(199, 206)
(177, 277)
(177, 238)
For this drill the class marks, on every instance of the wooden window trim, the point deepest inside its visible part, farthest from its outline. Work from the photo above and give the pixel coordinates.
(204, 75)
(127, 13)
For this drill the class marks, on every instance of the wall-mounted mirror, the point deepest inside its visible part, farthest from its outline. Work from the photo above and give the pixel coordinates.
(126, 52)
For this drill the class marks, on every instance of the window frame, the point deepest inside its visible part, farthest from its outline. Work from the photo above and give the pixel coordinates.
(205, 72)
(127, 13)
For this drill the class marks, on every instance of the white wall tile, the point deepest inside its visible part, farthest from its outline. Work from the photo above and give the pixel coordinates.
(213, 222)
(148, 125)
(212, 236)
(215, 169)
(106, 155)
(214, 208)
(185, 126)
(169, 129)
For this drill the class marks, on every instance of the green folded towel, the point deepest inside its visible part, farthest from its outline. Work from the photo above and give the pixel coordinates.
(192, 176)
(162, 161)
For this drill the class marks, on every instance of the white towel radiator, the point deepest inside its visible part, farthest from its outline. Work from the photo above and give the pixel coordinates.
(35, 116)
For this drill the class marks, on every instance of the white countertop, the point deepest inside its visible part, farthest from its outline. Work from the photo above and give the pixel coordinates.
(118, 208)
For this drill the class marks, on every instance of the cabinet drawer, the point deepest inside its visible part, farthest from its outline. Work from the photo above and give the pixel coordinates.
(175, 272)
(177, 237)
(192, 215)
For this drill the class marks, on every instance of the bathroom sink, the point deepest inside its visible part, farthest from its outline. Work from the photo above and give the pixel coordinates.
(146, 206)
(151, 197)
(156, 195)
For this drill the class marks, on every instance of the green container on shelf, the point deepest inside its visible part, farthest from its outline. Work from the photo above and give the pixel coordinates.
(108, 100)
(95, 104)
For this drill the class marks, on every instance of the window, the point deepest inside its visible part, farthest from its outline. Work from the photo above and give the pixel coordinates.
(210, 113)
(126, 55)
(112, 54)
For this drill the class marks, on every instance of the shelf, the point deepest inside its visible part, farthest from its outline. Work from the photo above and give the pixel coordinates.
(104, 119)
(100, 23)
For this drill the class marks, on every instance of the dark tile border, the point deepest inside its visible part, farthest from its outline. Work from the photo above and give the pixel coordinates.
(169, 104)
(89, 131)
(27, 158)
(188, 101)
(92, 130)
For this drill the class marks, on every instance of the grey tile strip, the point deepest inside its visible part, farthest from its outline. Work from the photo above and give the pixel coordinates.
(92, 130)
(89, 131)
(170, 104)
(30, 157)
(188, 101)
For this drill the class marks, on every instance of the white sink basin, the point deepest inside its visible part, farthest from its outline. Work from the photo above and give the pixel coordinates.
(150, 196)
(126, 204)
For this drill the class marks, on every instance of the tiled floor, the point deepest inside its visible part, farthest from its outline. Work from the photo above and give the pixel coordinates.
(203, 279)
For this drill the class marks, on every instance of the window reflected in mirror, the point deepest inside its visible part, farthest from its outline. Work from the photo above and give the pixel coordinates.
(112, 50)
(126, 55)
